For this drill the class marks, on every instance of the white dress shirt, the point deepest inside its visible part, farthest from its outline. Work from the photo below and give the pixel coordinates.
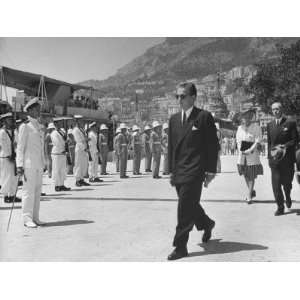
(187, 113)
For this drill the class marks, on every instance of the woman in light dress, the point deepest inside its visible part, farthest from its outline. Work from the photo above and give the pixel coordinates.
(249, 164)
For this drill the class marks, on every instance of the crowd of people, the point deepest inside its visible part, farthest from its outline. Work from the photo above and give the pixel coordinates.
(191, 145)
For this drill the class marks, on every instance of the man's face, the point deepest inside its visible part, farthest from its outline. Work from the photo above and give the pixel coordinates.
(185, 100)
(35, 111)
(277, 110)
(9, 122)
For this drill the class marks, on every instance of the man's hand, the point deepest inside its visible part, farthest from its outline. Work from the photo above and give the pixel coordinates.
(208, 178)
(172, 179)
(20, 171)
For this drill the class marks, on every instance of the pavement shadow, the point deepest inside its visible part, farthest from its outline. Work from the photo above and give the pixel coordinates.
(81, 190)
(217, 246)
(56, 194)
(9, 207)
(67, 223)
(293, 211)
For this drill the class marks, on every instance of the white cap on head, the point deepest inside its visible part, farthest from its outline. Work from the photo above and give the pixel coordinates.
(147, 127)
(70, 131)
(30, 103)
(77, 116)
(7, 115)
(118, 130)
(165, 126)
(103, 127)
(155, 124)
(135, 128)
(51, 126)
(123, 126)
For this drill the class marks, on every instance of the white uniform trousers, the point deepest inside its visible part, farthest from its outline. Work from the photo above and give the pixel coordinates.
(31, 194)
(59, 169)
(93, 165)
(8, 179)
(81, 164)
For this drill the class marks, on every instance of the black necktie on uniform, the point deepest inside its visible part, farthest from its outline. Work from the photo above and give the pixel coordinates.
(184, 119)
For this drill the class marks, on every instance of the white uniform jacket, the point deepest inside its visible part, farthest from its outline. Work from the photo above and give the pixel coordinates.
(30, 148)
(79, 139)
(58, 143)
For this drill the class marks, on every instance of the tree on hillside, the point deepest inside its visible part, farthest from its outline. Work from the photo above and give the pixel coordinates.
(279, 80)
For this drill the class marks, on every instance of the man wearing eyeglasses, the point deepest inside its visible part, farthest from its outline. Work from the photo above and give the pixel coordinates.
(193, 153)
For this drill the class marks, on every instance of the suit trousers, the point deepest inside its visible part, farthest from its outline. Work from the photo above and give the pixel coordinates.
(148, 160)
(136, 162)
(103, 156)
(59, 169)
(155, 163)
(189, 212)
(8, 179)
(282, 176)
(93, 165)
(81, 164)
(31, 193)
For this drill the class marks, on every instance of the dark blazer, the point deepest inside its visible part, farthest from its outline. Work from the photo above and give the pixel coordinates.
(192, 152)
(285, 133)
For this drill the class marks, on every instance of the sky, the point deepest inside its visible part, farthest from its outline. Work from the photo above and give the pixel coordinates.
(72, 59)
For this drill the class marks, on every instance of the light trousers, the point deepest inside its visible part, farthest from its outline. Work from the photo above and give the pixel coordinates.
(93, 165)
(31, 193)
(59, 169)
(8, 179)
(81, 164)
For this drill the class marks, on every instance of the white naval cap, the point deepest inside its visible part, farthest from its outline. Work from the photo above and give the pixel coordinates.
(70, 131)
(123, 126)
(155, 124)
(135, 128)
(7, 115)
(103, 127)
(51, 126)
(78, 117)
(118, 130)
(165, 126)
(30, 103)
(147, 127)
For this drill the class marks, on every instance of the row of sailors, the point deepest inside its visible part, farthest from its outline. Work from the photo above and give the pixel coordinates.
(152, 142)
(22, 155)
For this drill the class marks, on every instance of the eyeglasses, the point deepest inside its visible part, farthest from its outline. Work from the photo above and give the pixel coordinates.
(181, 96)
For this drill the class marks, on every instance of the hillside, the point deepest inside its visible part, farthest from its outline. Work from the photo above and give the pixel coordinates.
(178, 58)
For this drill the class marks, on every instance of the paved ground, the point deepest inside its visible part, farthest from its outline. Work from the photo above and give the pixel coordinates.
(134, 220)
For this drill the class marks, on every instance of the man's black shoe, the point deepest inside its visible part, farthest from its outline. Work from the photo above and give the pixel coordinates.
(78, 183)
(43, 194)
(84, 183)
(253, 194)
(125, 176)
(178, 253)
(156, 177)
(279, 212)
(7, 199)
(17, 199)
(57, 189)
(288, 202)
(64, 188)
(207, 232)
(98, 179)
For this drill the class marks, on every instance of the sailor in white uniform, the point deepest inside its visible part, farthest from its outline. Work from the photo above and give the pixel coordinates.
(8, 136)
(58, 154)
(81, 154)
(30, 163)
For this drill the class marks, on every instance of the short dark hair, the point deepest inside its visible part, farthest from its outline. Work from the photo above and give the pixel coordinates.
(189, 87)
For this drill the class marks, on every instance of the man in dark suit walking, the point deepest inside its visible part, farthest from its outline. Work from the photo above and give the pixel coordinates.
(193, 153)
(282, 140)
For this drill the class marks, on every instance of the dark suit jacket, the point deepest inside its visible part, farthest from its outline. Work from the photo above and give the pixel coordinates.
(192, 152)
(284, 133)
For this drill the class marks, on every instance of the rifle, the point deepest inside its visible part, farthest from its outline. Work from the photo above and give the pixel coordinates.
(12, 157)
(88, 148)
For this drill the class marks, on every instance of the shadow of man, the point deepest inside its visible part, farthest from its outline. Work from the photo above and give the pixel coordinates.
(217, 246)
(67, 223)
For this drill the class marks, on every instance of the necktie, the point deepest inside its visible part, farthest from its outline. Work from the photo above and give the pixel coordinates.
(184, 119)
